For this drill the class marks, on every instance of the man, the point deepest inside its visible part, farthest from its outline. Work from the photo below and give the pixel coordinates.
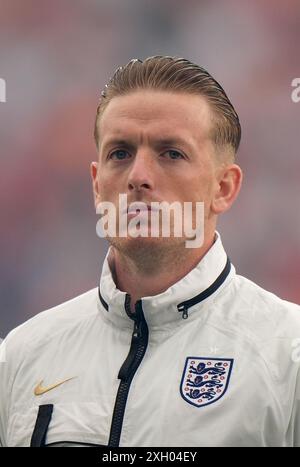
(174, 348)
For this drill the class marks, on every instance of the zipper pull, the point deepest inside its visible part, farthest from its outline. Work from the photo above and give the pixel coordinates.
(184, 310)
(137, 330)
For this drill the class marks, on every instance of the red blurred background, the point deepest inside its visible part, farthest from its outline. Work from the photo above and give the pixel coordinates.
(57, 56)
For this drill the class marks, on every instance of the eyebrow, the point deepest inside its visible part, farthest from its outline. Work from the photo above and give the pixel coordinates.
(160, 142)
(118, 142)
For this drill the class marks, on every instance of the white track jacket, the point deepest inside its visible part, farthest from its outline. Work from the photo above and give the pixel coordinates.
(212, 361)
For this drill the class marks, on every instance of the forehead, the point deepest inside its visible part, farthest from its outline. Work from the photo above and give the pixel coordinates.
(156, 112)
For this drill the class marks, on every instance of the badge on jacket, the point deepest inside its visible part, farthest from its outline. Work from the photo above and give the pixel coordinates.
(205, 380)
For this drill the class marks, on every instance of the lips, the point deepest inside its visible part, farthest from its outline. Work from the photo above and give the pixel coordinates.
(139, 206)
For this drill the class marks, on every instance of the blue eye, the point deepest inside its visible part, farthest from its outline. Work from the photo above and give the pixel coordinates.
(119, 154)
(174, 154)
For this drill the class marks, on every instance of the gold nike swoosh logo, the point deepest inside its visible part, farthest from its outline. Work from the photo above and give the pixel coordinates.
(39, 389)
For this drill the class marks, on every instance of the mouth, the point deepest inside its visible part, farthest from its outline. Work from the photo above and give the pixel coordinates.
(138, 207)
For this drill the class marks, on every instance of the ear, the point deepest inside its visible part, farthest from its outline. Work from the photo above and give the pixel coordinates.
(228, 184)
(95, 181)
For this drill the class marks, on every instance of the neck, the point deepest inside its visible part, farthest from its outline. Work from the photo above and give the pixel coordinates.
(153, 272)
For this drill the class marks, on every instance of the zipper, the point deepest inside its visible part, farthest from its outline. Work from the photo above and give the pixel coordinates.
(138, 346)
(184, 310)
(183, 307)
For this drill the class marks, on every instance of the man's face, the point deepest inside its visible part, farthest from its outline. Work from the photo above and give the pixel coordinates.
(155, 146)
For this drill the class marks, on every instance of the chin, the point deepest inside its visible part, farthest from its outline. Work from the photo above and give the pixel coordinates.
(134, 247)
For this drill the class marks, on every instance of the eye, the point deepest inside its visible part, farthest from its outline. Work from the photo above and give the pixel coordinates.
(173, 154)
(119, 154)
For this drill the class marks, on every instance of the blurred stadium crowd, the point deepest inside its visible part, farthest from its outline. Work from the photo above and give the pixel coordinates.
(56, 57)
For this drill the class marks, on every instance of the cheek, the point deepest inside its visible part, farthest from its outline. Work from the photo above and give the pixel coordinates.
(104, 177)
(104, 187)
(200, 189)
(109, 188)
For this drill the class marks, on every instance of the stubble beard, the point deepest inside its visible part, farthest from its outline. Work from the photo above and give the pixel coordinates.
(150, 254)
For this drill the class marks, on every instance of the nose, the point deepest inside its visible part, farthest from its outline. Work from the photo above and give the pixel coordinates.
(141, 175)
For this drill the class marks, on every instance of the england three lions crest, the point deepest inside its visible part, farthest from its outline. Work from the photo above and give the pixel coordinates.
(205, 380)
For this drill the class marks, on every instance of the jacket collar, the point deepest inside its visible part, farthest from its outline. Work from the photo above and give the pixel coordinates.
(177, 302)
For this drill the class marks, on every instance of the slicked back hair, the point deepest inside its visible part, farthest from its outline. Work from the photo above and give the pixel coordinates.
(176, 75)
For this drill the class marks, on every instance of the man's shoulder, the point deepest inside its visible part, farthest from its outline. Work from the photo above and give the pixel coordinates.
(259, 305)
(260, 296)
(55, 319)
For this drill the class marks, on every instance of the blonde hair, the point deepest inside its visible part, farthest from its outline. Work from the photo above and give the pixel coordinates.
(176, 75)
